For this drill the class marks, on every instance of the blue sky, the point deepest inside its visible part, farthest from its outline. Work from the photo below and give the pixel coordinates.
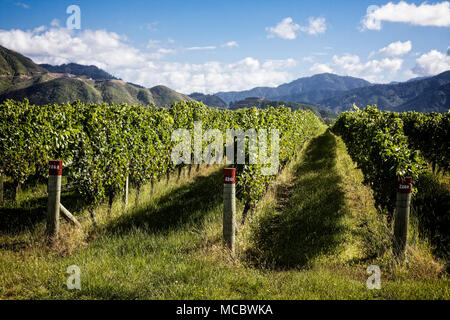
(211, 46)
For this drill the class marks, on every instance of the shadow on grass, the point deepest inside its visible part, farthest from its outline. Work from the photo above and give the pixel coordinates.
(308, 222)
(24, 217)
(184, 205)
(431, 206)
(14, 220)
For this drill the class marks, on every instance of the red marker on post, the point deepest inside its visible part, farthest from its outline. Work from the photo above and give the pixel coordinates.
(404, 186)
(54, 197)
(229, 207)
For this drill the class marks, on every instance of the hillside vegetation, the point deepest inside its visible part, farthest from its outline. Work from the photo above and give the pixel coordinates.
(209, 100)
(264, 103)
(76, 69)
(21, 78)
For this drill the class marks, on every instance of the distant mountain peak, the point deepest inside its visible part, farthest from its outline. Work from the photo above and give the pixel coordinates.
(310, 89)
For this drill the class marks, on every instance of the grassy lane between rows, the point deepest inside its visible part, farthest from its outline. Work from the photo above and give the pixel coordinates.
(311, 237)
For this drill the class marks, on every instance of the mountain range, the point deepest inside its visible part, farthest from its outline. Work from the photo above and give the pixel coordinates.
(309, 89)
(325, 94)
(423, 95)
(339, 93)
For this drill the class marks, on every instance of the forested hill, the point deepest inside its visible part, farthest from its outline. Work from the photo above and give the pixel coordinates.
(264, 103)
(80, 70)
(21, 78)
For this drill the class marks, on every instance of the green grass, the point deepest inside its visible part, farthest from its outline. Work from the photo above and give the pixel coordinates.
(311, 237)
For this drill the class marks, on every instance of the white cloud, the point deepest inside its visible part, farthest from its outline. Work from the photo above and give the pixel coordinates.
(61, 45)
(39, 29)
(432, 63)
(111, 52)
(166, 51)
(309, 59)
(21, 4)
(212, 76)
(55, 23)
(201, 48)
(397, 48)
(408, 74)
(373, 70)
(436, 15)
(320, 68)
(284, 29)
(315, 26)
(230, 44)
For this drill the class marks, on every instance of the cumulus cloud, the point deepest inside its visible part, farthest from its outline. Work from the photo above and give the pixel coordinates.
(284, 29)
(61, 45)
(373, 70)
(432, 63)
(55, 23)
(315, 26)
(320, 68)
(212, 76)
(379, 71)
(397, 48)
(111, 52)
(436, 15)
(230, 44)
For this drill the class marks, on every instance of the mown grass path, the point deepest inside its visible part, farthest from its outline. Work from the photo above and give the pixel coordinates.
(311, 208)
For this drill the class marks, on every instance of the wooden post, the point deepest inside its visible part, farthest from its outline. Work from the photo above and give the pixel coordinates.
(402, 216)
(68, 216)
(54, 197)
(125, 200)
(1, 189)
(229, 207)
